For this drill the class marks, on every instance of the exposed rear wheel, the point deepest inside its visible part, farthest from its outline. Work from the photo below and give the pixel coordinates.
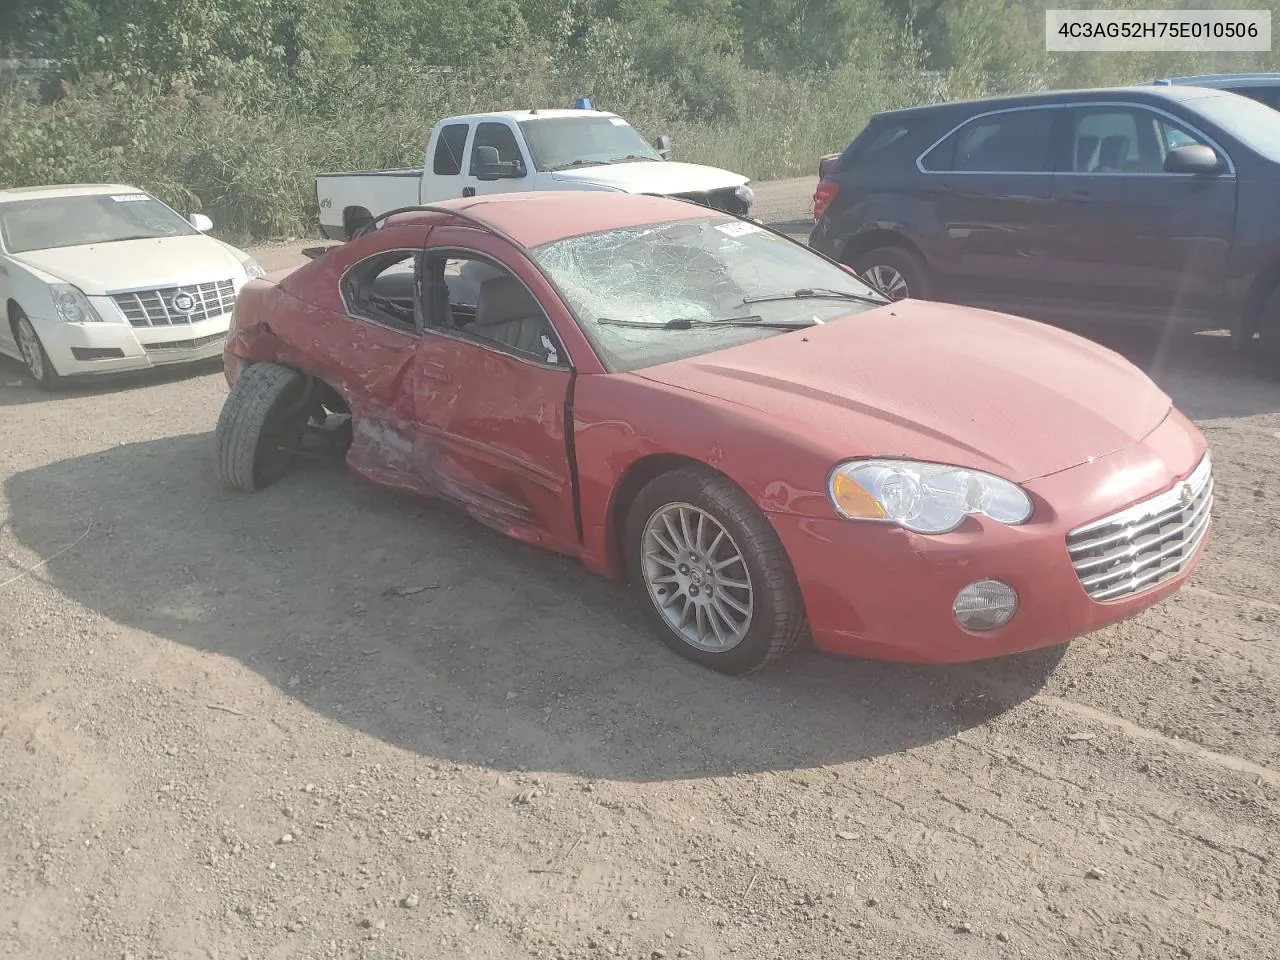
(895, 272)
(261, 425)
(711, 573)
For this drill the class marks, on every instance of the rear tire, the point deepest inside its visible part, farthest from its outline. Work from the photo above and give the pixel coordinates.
(261, 424)
(732, 615)
(895, 272)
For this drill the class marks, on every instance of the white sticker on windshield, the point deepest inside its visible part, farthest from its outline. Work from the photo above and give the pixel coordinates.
(128, 197)
(739, 228)
(618, 122)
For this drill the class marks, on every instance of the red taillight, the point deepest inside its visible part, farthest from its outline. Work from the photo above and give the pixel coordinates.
(822, 197)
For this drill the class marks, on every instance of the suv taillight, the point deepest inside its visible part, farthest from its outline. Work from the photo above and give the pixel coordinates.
(822, 197)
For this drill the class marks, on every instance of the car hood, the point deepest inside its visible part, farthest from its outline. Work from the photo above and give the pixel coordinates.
(653, 176)
(97, 268)
(940, 383)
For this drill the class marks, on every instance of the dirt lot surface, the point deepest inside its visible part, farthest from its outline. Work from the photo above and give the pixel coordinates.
(325, 721)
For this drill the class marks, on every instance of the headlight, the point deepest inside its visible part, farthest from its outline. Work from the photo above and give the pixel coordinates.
(923, 497)
(253, 268)
(72, 305)
(745, 194)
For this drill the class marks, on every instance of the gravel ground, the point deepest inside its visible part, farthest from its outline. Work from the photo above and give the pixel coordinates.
(325, 721)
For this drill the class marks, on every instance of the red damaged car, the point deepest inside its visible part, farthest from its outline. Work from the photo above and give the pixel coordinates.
(761, 445)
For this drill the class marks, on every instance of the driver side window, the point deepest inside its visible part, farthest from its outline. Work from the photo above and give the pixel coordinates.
(383, 289)
(485, 303)
(500, 137)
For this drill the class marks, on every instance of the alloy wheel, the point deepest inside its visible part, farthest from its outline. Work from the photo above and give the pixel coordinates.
(696, 577)
(888, 281)
(29, 345)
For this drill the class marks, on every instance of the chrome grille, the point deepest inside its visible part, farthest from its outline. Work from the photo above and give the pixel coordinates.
(156, 308)
(1142, 546)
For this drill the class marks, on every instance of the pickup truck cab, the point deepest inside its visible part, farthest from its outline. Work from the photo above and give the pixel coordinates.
(526, 150)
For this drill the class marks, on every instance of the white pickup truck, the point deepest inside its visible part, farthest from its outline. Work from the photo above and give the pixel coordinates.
(522, 150)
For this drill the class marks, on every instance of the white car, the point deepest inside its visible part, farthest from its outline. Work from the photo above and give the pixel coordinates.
(103, 278)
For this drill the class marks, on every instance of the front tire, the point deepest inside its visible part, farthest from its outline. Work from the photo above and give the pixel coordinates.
(895, 272)
(34, 355)
(711, 573)
(261, 425)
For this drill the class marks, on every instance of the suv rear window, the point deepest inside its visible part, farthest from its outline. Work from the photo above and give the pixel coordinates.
(1015, 141)
(871, 141)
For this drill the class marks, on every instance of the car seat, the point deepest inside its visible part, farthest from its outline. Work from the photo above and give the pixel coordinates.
(507, 312)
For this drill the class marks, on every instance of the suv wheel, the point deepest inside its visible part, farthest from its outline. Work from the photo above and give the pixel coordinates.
(895, 272)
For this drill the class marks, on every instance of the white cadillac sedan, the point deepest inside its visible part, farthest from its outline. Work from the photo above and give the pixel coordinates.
(104, 278)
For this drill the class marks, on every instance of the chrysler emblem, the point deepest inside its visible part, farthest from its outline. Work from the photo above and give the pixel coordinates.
(183, 302)
(1186, 495)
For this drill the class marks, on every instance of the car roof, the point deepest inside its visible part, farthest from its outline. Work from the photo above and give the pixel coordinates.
(531, 114)
(535, 218)
(1150, 93)
(65, 190)
(1223, 81)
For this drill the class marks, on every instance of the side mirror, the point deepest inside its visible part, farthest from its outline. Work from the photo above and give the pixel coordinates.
(664, 147)
(201, 222)
(487, 166)
(1193, 158)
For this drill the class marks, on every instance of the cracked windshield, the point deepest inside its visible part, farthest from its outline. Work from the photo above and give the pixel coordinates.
(656, 293)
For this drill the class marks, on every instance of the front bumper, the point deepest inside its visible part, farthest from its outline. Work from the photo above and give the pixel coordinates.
(115, 346)
(877, 591)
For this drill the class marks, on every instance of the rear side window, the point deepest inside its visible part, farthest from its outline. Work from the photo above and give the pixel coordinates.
(448, 158)
(872, 142)
(1016, 141)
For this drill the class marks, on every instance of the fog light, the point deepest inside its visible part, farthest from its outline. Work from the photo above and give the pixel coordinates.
(985, 605)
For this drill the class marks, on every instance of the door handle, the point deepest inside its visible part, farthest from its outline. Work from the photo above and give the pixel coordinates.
(435, 371)
(1083, 195)
(468, 191)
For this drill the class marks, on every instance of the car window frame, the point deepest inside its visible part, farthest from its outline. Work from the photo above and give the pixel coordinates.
(350, 311)
(471, 170)
(442, 142)
(1057, 139)
(1175, 120)
(454, 251)
(954, 130)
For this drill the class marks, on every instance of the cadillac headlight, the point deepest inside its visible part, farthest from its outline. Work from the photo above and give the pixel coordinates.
(745, 194)
(252, 268)
(923, 497)
(72, 305)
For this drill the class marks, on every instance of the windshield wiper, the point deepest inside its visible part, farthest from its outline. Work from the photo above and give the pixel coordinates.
(630, 156)
(685, 323)
(816, 293)
(579, 163)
